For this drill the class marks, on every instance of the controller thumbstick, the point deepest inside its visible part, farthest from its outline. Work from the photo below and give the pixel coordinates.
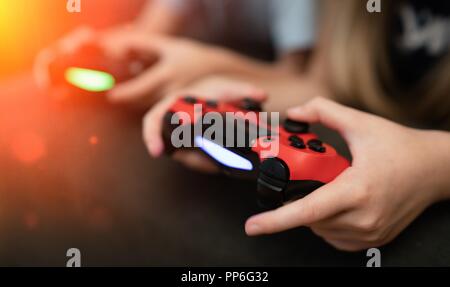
(316, 145)
(251, 105)
(273, 178)
(296, 127)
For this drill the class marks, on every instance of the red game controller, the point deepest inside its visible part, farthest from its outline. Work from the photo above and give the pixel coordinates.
(90, 69)
(299, 163)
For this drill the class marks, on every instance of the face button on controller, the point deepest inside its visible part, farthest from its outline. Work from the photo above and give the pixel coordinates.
(297, 142)
(315, 148)
(251, 105)
(294, 138)
(190, 100)
(296, 127)
(299, 145)
(316, 145)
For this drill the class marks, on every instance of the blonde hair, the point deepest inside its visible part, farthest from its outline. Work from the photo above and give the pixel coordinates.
(361, 74)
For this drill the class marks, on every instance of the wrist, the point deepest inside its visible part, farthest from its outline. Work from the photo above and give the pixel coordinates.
(437, 148)
(221, 60)
(228, 62)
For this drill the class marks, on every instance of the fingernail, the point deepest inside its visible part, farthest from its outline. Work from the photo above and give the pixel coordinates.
(253, 229)
(155, 148)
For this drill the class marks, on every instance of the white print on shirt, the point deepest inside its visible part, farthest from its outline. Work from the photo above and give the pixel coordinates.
(433, 35)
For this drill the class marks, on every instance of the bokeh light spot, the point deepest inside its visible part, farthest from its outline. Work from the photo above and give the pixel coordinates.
(28, 147)
(93, 140)
(31, 220)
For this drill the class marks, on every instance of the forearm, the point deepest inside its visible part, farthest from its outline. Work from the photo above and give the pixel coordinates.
(286, 86)
(286, 91)
(158, 18)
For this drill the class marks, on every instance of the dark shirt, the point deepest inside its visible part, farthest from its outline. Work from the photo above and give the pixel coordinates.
(422, 38)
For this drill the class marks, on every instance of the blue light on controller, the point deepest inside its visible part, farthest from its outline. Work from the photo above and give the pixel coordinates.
(222, 155)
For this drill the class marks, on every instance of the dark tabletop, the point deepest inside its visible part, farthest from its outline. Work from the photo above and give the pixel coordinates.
(92, 186)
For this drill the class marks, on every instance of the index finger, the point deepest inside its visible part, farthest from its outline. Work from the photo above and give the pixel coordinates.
(324, 202)
(152, 125)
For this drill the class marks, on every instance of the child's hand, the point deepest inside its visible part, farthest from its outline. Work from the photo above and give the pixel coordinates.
(180, 62)
(210, 88)
(67, 45)
(396, 173)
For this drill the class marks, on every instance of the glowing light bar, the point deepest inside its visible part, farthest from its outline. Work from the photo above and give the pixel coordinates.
(90, 80)
(222, 155)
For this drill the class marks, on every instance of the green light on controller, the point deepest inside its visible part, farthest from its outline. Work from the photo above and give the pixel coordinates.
(90, 80)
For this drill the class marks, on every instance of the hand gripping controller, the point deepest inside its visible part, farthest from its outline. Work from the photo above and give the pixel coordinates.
(90, 69)
(301, 164)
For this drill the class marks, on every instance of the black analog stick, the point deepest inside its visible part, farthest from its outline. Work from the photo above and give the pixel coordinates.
(273, 178)
(274, 169)
(296, 127)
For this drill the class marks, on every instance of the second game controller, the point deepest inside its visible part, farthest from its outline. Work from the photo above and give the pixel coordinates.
(90, 69)
(300, 164)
